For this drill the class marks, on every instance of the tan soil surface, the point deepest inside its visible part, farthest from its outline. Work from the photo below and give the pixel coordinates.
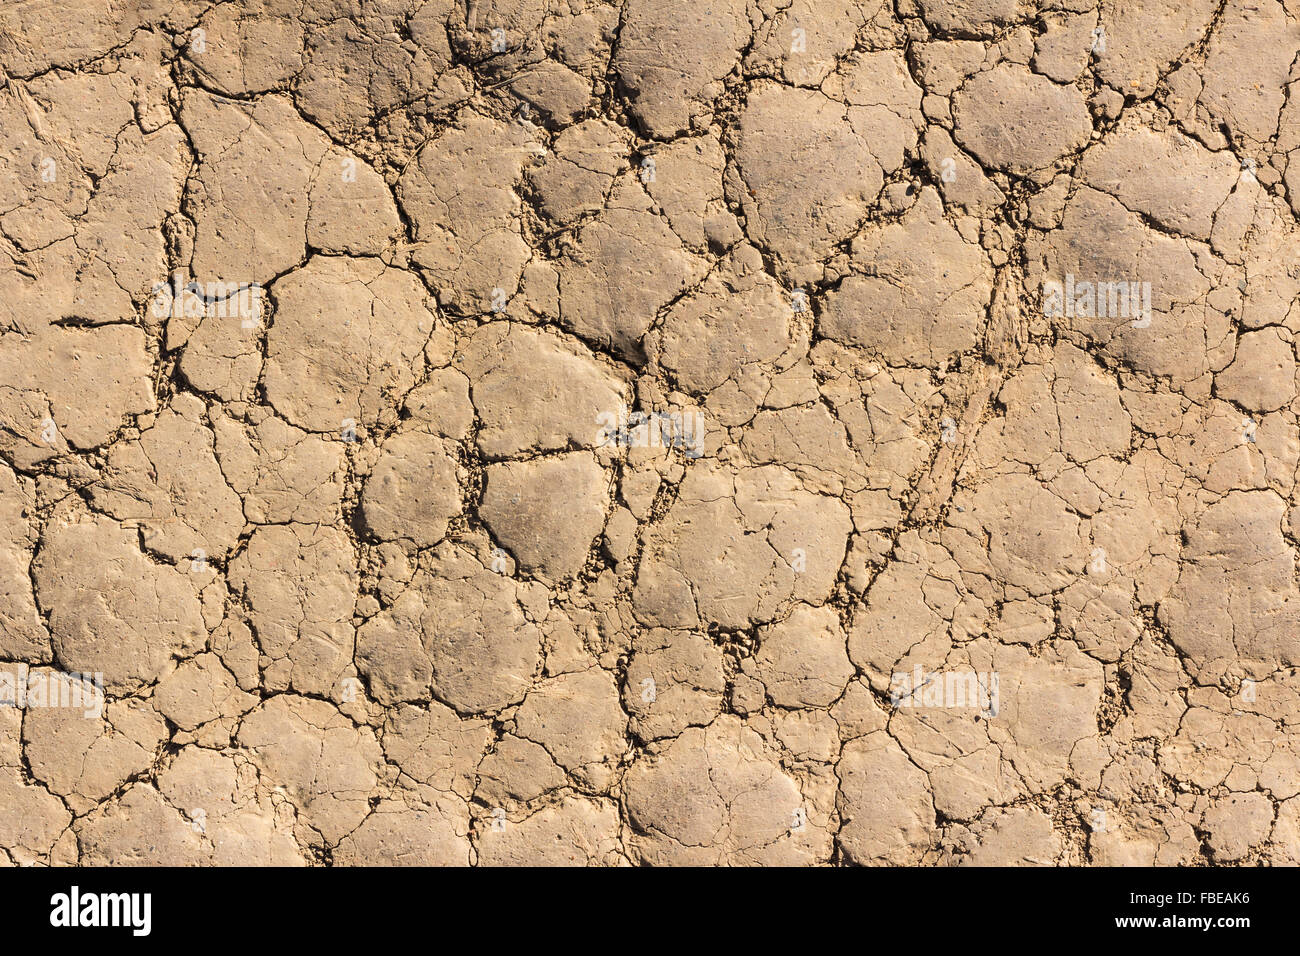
(559, 431)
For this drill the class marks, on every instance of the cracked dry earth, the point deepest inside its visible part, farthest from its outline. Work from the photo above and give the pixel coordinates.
(630, 420)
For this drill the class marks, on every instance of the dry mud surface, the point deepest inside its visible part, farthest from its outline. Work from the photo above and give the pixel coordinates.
(728, 432)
